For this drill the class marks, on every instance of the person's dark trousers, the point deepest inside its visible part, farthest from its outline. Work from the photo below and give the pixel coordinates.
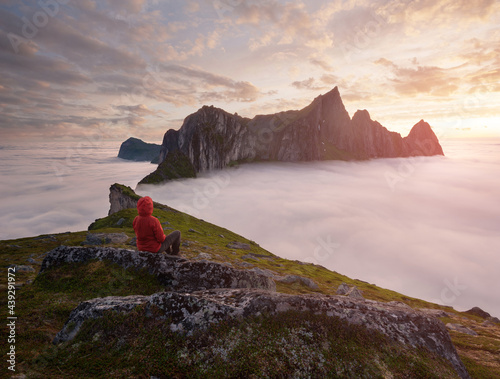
(171, 244)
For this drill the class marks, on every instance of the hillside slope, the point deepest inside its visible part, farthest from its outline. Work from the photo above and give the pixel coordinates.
(296, 341)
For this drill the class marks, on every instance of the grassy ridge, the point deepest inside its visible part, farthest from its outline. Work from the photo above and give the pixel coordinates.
(128, 346)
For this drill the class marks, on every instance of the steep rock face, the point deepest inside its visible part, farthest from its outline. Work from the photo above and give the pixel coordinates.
(121, 197)
(178, 274)
(422, 141)
(212, 138)
(190, 311)
(372, 140)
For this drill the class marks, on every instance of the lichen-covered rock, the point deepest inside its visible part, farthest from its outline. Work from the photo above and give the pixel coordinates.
(289, 279)
(343, 289)
(95, 308)
(461, 329)
(238, 245)
(104, 238)
(188, 312)
(349, 291)
(176, 273)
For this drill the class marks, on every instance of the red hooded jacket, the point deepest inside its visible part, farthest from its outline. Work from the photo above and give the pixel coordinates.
(147, 228)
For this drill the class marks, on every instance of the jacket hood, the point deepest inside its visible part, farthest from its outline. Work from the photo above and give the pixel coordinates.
(145, 206)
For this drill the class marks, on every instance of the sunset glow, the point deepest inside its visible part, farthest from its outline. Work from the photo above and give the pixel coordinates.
(113, 69)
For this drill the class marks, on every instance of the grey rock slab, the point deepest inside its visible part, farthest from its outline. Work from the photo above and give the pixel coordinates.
(178, 274)
(191, 311)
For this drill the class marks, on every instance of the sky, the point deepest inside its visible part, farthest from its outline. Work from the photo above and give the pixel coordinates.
(112, 69)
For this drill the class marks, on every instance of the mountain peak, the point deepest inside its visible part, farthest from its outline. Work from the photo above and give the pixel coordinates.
(423, 140)
(422, 130)
(212, 138)
(333, 92)
(361, 114)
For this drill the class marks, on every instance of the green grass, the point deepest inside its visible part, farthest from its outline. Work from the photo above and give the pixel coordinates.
(176, 165)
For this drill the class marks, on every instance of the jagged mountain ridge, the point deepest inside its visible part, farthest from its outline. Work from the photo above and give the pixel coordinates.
(212, 138)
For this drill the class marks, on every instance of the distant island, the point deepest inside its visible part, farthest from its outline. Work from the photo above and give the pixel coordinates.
(135, 149)
(212, 138)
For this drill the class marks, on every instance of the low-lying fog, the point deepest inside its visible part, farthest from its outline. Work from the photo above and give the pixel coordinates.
(426, 227)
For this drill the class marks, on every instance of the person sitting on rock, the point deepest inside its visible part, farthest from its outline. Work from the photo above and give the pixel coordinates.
(149, 233)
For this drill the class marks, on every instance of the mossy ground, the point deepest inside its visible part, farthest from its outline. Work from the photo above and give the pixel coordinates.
(131, 346)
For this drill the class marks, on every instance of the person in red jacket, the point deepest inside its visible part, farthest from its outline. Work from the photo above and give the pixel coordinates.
(149, 233)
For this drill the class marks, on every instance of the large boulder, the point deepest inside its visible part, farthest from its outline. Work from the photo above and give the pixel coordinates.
(177, 274)
(188, 312)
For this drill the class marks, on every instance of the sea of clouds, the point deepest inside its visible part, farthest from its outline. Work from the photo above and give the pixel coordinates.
(426, 227)
(57, 187)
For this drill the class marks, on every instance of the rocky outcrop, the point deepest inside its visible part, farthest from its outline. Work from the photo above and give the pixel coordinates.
(461, 329)
(121, 197)
(187, 312)
(135, 149)
(476, 311)
(349, 291)
(201, 293)
(212, 138)
(105, 238)
(93, 309)
(177, 274)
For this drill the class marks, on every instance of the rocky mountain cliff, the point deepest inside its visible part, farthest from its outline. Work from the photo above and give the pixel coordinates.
(212, 138)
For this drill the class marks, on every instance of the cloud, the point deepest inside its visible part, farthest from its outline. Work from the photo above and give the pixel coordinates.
(321, 63)
(139, 109)
(281, 24)
(444, 13)
(62, 186)
(438, 226)
(131, 6)
(309, 84)
(185, 54)
(230, 90)
(432, 80)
